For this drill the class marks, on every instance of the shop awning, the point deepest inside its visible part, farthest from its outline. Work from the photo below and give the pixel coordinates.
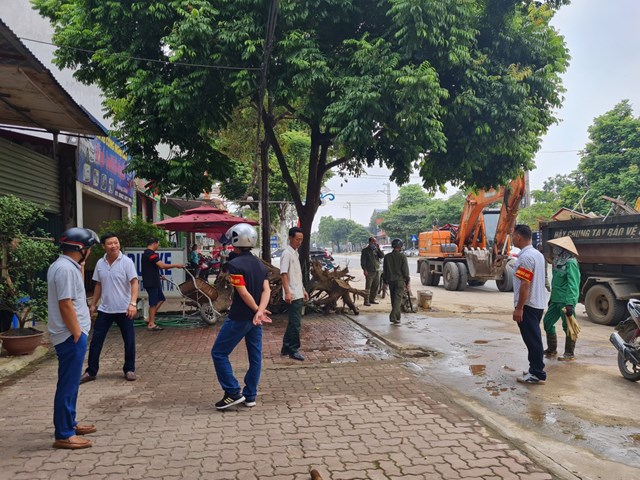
(30, 96)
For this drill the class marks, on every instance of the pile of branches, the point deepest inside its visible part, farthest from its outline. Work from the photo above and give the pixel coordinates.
(326, 289)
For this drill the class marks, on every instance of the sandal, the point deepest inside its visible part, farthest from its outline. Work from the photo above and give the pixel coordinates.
(155, 328)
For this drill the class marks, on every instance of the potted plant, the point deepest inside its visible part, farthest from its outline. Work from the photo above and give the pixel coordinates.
(25, 256)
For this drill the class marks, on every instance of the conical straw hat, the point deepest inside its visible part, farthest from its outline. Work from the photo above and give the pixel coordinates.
(566, 243)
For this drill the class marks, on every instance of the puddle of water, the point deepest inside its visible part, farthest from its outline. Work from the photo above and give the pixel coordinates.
(478, 369)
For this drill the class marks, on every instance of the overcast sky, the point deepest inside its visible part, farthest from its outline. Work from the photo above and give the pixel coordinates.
(604, 43)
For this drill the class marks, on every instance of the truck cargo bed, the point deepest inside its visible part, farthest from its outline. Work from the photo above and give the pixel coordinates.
(611, 241)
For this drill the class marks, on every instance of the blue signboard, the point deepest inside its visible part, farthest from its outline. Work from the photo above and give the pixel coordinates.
(414, 238)
(101, 164)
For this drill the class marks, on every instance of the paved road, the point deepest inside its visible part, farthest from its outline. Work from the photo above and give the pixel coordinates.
(353, 410)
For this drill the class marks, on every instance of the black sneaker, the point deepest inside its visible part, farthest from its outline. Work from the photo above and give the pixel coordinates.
(229, 400)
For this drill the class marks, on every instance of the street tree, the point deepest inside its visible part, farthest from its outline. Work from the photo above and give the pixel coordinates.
(461, 90)
(610, 162)
(609, 165)
(415, 211)
(340, 231)
(238, 142)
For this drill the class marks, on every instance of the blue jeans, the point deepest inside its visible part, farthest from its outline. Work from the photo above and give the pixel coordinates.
(530, 331)
(100, 330)
(291, 339)
(230, 334)
(70, 359)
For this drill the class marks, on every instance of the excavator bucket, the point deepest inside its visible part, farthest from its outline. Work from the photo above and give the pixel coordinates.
(479, 262)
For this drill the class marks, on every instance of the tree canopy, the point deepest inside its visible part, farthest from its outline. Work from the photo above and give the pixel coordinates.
(416, 211)
(609, 165)
(340, 231)
(462, 90)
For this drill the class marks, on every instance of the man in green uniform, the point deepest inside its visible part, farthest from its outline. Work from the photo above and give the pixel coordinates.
(370, 263)
(395, 273)
(565, 289)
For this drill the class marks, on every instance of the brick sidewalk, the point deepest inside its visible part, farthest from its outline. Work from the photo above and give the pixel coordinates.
(352, 411)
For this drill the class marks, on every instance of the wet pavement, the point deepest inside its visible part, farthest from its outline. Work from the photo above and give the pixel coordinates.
(355, 409)
(582, 417)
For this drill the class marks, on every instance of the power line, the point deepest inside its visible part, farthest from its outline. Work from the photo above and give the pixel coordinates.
(143, 59)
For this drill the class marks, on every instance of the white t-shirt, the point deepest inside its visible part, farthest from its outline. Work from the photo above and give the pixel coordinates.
(530, 267)
(115, 280)
(290, 264)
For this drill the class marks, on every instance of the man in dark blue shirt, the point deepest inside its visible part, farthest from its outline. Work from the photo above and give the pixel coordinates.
(249, 278)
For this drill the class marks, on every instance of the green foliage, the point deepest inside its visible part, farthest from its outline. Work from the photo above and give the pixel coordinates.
(239, 145)
(25, 256)
(463, 90)
(611, 160)
(610, 165)
(340, 231)
(416, 211)
(131, 232)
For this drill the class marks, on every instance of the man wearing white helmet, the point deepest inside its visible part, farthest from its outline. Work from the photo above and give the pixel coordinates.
(249, 278)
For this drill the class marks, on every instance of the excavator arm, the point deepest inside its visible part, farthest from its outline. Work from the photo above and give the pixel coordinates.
(513, 195)
(471, 213)
(476, 202)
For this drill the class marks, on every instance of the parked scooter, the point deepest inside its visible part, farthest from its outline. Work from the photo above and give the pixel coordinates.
(208, 266)
(627, 342)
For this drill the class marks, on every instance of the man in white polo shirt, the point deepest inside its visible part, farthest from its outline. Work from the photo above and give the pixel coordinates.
(530, 298)
(117, 286)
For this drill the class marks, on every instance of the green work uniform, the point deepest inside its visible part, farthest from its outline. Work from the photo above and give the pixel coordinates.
(395, 272)
(565, 290)
(370, 263)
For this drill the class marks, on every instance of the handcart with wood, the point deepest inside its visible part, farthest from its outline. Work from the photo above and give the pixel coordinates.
(201, 295)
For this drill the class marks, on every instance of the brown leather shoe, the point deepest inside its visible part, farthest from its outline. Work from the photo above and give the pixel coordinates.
(86, 378)
(72, 443)
(85, 429)
(131, 376)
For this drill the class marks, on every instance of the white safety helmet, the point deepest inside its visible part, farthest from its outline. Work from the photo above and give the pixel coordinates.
(242, 235)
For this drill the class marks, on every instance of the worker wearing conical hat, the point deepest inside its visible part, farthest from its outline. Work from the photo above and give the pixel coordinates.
(565, 289)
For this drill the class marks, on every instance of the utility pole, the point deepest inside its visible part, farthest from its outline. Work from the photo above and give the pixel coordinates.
(348, 206)
(387, 191)
(263, 145)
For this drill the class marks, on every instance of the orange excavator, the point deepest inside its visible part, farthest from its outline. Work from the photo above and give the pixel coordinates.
(479, 248)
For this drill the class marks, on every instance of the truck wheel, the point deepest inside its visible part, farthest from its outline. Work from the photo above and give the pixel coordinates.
(505, 284)
(464, 274)
(602, 306)
(425, 273)
(451, 276)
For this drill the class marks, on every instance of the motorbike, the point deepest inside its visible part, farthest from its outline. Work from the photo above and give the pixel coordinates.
(208, 266)
(626, 339)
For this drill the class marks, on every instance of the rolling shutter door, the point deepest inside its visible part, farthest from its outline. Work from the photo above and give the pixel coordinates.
(29, 176)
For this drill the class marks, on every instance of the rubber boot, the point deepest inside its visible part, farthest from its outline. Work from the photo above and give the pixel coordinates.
(552, 345)
(569, 347)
